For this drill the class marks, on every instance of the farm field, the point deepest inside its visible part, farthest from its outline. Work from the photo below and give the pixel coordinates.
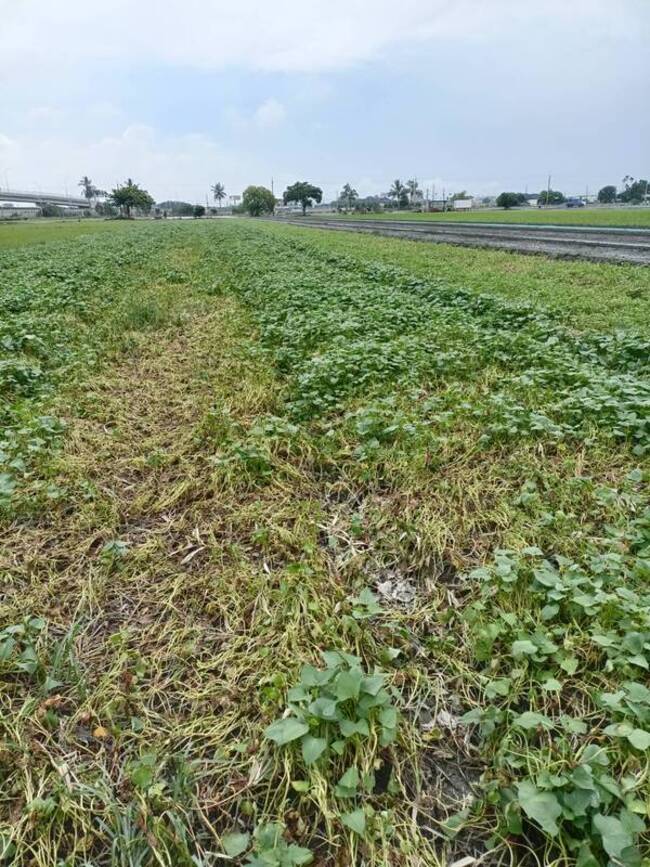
(582, 294)
(320, 549)
(625, 218)
(28, 232)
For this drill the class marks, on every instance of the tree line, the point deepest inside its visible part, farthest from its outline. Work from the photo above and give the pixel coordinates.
(260, 200)
(129, 197)
(546, 197)
(633, 192)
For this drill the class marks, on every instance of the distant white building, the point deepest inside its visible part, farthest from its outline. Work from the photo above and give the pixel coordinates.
(292, 208)
(18, 210)
(72, 211)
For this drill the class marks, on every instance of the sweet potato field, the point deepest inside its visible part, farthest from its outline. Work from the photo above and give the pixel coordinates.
(311, 555)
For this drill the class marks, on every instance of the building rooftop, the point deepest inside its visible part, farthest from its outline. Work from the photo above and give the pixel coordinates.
(16, 205)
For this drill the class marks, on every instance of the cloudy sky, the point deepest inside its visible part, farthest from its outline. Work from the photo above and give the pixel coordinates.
(482, 95)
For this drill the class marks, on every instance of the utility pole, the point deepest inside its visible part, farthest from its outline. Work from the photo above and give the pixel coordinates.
(548, 191)
(272, 190)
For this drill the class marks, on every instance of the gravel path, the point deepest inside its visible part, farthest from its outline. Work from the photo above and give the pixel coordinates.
(596, 244)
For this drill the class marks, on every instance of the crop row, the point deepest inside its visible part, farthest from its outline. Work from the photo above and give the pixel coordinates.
(384, 368)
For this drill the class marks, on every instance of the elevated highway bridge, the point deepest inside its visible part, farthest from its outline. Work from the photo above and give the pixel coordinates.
(38, 196)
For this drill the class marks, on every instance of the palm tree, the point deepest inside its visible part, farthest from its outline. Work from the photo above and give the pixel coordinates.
(219, 192)
(399, 193)
(89, 190)
(413, 190)
(348, 195)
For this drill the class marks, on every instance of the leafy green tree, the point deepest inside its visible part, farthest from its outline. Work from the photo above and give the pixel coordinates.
(304, 193)
(508, 200)
(634, 191)
(258, 200)
(400, 193)
(551, 197)
(607, 195)
(348, 196)
(219, 192)
(198, 211)
(129, 196)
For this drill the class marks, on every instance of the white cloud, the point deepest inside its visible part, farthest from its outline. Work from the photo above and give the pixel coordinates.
(180, 166)
(279, 35)
(76, 74)
(45, 114)
(103, 111)
(169, 166)
(270, 113)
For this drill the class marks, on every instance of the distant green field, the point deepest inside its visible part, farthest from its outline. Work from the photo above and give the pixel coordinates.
(584, 294)
(34, 231)
(623, 217)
